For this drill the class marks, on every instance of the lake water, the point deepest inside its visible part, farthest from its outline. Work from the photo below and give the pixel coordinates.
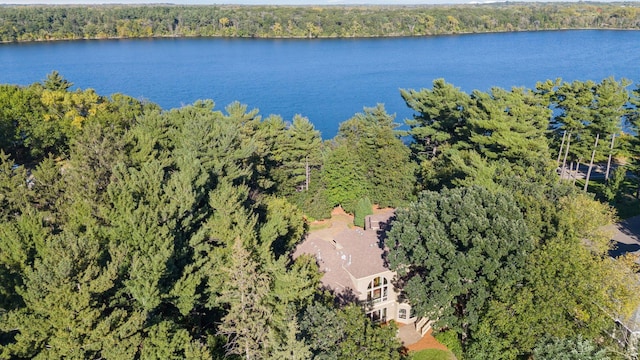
(326, 80)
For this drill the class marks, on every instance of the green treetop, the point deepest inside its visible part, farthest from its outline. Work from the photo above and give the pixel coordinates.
(455, 250)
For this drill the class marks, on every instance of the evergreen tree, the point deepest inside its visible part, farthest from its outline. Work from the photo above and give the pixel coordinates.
(344, 176)
(55, 81)
(510, 125)
(363, 208)
(569, 349)
(17, 106)
(609, 110)
(322, 330)
(633, 144)
(165, 340)
(460, 168)
(314, 203)
(13, 187)
(364, 339)
(65, 313)
(377, 159)
(458, 138)
(282, 228)
(269, 136)
(288, 346)
(300, 153)
(245, 293)
(92, 159)
(47, 188)
(439, 117)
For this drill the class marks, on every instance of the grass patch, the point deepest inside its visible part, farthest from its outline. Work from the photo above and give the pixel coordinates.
(431, 354)
(319, 226)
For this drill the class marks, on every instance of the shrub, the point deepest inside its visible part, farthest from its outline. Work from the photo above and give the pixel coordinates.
(450, 339)
(362, 209)
(314, 204)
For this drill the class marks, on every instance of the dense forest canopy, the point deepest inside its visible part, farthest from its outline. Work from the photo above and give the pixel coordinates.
(129, 231)
(37, 23)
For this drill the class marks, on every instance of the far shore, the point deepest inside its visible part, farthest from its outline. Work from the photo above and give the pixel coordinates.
(301, 37)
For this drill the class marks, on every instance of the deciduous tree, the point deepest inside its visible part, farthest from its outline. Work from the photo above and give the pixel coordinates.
(455, 250)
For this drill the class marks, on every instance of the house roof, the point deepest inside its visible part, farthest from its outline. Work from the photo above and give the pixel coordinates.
(350, 251)
(361, 252)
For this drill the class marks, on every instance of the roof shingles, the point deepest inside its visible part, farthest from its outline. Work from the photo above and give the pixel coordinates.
(349, 253)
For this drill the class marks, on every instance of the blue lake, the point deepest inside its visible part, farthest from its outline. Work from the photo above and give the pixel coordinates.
(326, 80)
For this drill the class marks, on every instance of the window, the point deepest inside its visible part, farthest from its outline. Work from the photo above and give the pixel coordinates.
(402, 314)
(378, 290)
(378, 315)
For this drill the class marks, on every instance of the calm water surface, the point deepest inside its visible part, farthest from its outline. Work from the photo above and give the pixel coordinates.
(327, 81)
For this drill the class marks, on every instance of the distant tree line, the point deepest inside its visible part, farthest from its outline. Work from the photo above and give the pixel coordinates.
(130, 231)
(38, 23)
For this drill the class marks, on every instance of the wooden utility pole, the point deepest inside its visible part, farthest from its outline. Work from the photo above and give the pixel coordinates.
(564, 134)
(593, 155)
(566, 153)
(606, 175)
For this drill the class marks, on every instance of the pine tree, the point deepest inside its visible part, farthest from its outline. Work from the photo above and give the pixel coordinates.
(344, 176)
(322, 330)
(55, 81)
(244, 293)
(269, 137)
(509, 124)
(611, 98)
(297, 154)
(439, 116)
(365, 339)
(288, 346)
(65, 314)
(574, 100)
(371, 160)
(348, 334)
(165, 340)
(282, 227)
(93, 155)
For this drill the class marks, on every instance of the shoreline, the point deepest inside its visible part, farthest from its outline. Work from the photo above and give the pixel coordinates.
(304, 37)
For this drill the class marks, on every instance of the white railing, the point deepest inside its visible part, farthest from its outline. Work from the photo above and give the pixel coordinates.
(423, 325)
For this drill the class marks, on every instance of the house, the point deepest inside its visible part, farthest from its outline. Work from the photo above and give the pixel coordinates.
(355, 270)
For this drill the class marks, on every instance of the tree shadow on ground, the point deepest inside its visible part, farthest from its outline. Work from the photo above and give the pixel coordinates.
(620, 249)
